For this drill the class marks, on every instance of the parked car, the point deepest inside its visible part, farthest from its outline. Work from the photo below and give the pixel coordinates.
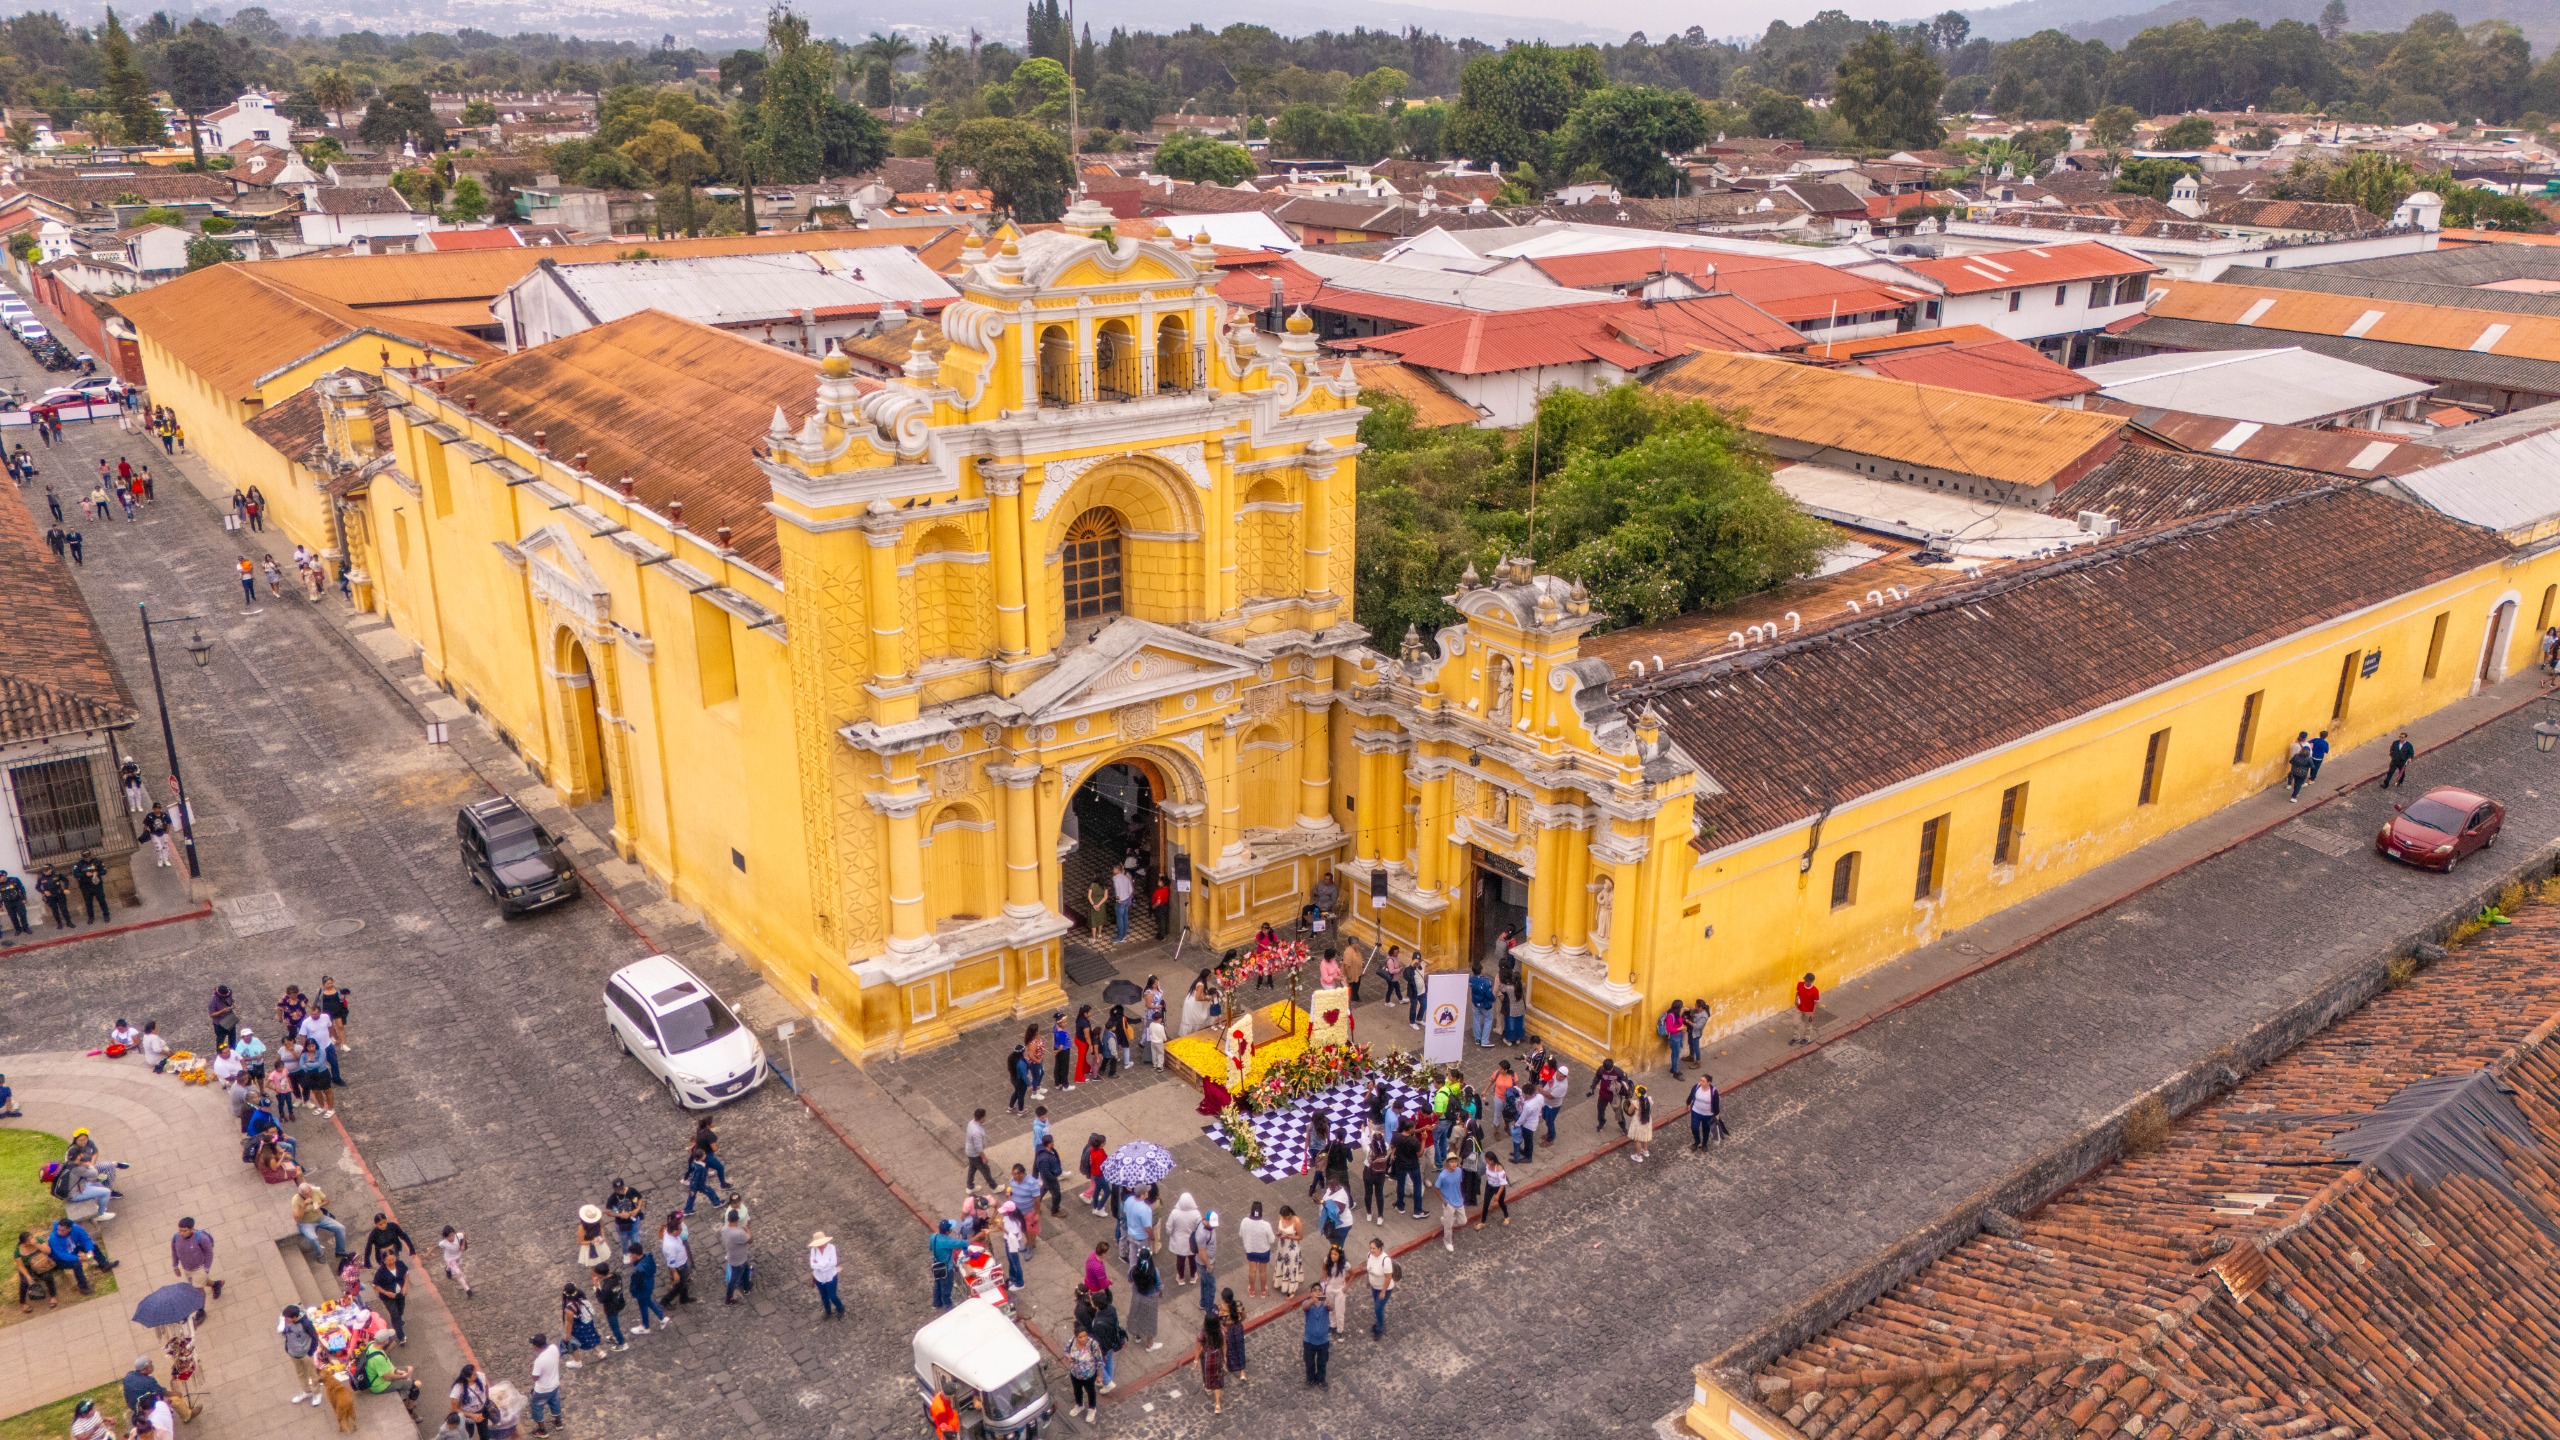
(31, 334)
(2438, 828)
(517, 861)
(89, 390)
(670, 1021)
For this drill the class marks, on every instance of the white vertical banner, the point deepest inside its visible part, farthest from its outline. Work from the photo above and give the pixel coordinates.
(1444, 1019)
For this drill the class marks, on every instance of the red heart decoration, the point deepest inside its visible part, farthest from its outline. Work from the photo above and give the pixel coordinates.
(1330, 1016)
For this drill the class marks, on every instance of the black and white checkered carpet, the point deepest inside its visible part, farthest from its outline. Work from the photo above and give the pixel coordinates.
(1283, 1133)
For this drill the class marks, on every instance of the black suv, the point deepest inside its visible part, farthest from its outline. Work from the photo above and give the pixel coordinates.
(512, 858)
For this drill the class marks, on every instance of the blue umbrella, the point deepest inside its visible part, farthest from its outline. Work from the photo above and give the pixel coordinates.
(168, 1305)
(1137, 1163)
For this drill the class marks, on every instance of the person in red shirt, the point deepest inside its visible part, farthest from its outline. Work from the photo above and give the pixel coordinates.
(1807, 996)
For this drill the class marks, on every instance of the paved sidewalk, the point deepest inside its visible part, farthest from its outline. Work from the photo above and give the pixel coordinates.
(179, 1140)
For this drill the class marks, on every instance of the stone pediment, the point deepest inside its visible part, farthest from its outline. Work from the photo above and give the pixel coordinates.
(1128, 661)
(559, 572)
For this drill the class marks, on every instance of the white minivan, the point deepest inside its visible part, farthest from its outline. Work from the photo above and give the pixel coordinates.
(668, 1020)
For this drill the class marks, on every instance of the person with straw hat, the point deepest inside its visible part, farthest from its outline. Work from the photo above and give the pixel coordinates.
(822, 1273)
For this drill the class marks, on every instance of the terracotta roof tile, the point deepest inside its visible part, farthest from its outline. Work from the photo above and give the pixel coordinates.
(2143, 487)
(1855, 707)
(235, 324)
(2246, 1278)
(56, 676)
(666, 401)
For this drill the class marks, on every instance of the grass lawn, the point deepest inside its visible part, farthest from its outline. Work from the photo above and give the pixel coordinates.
(26, 1205)
(52, 1422)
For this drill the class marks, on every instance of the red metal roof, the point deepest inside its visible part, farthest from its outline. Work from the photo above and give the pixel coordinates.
(1630, 335)
(1963, 357)
(2036, 265)
(1792, 290)
(1249, 285)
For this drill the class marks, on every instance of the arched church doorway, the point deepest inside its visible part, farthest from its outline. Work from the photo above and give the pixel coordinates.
(1117, 823)
(585, 783)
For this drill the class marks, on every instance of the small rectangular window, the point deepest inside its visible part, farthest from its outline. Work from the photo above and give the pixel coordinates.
(2247, 744)
(2017, 298)
(2155, 759)
(2101, 292)
(1844, 881)
(2346, 685)
(1929, 309)
(2435, 644)
(2013, 816)
(2133, 288)
(1933, 859)
(2061, 293)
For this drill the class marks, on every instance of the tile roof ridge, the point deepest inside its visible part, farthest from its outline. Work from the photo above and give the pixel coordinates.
(1772, 1387)
(1959, 594)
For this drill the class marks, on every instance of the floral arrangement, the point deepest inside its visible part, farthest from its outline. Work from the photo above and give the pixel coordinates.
(1265, 962)
(1241, 1141)
(1318, 1070)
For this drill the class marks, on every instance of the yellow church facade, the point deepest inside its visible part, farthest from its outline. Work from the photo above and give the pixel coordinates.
(885, 678)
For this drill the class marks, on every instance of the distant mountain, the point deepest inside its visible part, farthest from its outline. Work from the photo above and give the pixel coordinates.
(2111, 21)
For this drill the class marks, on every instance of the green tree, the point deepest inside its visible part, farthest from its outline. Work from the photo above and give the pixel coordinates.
(161, 215)
(1889, 96)
(1037, 93)
(23, 244)
(204, 250)
(1510, 104)
(2373, 179)
(1777, 115)
(479, 112)
(850, 138)
(2193, 132)
(2113, 126)
(1189, 155)
(788, 143)
(2333, 19)
(1124, 101)
(1663, 507)
(201, 80)
(399, 115)
(469, 202)
(126, 91)
(332, 91)
(1025, 166)
(22, 136)
(2155, 178)
(1629, 130)
(1431, 503)
(2465, 207)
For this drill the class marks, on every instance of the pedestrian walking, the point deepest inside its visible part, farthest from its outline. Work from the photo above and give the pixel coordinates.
(973, 1148)
(1382, 1286)
(71, 541)
(391, 1294)
(610, 1301)
(155, 828)
(273, 571)
(1702, 1112)
(2402, 752)
(1497, 1191)
(1808, 996)
(191, 1255)
(1480, 1001)
(1452, 1185)
(301, 1343)
(1213, 1361)
(697, 1179)
(1019, 1077)
(546, 1385)
(1318, 1342)
(1047, 1168)
(578, 1318)
(643, 1269)
(823, 1273)
(737, 1275)
(2297, 769)
(450, 1246)
(469, 1396)
(1181, 1230)
(675, 1254)
(2319, 753)
(1084, 1367)
(623, 1208)
(592, 1247)
(248, 573)
(1640, 1123)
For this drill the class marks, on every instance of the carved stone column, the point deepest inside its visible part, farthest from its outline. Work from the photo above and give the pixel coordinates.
(1021, 838)
(1004, 505)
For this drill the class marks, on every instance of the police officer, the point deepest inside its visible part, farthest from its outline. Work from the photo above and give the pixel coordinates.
(13, 898)
(91, 872)
(57, 896)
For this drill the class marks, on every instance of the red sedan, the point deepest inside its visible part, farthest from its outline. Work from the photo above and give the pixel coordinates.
(2440, 827)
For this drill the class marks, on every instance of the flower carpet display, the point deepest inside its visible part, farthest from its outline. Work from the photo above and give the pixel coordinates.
(1267, 1124)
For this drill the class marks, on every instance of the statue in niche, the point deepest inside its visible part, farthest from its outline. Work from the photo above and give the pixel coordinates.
(1604, 901)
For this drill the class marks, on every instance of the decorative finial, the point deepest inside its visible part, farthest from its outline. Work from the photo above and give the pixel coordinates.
(1470, 580)
(1411, 650)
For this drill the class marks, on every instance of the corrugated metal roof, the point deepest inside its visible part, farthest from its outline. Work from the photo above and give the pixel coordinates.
(667, 401)
(2033, 265)
(2335, 451)
(1950, 430)
(2288, 386)
(740, 289)
(1962, 357)
(1433, 406)
(2429, 362)
(1629, 334)
(2505, 487)
(231, 324)
(2437, 327)
(1436, 287)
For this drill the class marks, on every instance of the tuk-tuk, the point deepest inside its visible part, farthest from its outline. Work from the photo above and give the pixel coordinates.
(979, 1376)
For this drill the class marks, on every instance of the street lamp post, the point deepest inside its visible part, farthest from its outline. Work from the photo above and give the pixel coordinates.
(200, 650)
